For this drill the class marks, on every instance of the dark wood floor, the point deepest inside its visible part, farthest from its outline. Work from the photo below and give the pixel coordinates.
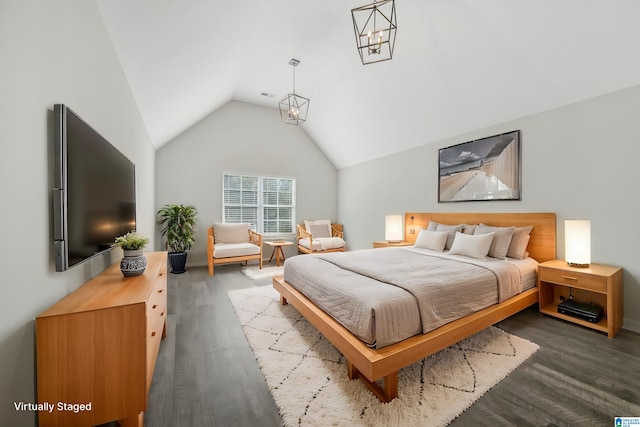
(206, 374)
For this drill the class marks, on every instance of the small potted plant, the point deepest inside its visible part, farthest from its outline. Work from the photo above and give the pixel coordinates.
(178, 224)
(133, 263)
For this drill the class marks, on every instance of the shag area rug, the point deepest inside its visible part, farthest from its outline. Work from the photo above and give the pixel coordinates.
(308, 379)
(254, 272)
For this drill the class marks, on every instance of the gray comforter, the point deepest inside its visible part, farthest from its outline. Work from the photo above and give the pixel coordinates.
(386, 295)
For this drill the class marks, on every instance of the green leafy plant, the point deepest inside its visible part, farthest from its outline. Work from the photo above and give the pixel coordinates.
(131, 241)
(178, 224)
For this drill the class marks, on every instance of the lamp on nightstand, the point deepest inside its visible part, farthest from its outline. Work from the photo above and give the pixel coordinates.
(577, 242)
(393, 228)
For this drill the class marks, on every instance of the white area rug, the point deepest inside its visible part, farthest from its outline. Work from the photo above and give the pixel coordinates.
(308, 379)
(254, 272)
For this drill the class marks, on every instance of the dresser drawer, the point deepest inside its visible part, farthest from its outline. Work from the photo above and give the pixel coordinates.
(154, 336)
(574, 279)
(157, 302)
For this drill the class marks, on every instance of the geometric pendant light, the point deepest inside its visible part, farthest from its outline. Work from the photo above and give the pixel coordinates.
(375, 27)
(294, 108)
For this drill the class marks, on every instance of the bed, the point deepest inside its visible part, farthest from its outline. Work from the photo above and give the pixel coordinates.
(376, 360)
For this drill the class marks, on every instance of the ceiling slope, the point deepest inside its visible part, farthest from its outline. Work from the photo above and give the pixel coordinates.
(458, 65)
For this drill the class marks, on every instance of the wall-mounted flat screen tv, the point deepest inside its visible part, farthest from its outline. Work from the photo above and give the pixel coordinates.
(484, 169)
(94, 196)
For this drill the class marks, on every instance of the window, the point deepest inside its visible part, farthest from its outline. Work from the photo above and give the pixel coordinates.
(267, 203)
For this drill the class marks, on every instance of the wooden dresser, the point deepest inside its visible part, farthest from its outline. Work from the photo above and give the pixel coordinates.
(97, 347)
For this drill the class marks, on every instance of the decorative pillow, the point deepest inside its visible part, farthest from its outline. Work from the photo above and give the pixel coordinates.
(451, 229)
(468, 229)
(434, 240)
(519, 242)
(432, 226)
(325, 222)
(320, 230)
(501, 240)
(231, 233)
(474, 246)
(321, 222)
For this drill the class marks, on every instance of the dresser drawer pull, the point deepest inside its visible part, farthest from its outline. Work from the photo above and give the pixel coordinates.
(570, 278)
(153, 334)
(162, 314)
(160, 291)
(154, 306)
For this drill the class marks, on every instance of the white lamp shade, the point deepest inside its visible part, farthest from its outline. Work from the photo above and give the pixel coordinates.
(393, 228)
(577, 242)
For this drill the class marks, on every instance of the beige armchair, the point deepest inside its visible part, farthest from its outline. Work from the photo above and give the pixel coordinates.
(229, 243)
(320, 237)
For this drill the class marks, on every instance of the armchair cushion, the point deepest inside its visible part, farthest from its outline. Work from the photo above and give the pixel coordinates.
(231, 233)
(322, 243)
(226, 250)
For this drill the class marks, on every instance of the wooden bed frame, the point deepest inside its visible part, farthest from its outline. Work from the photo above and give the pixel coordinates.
(370, 364)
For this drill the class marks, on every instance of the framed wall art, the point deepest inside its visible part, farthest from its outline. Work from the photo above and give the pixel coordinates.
(484, 169)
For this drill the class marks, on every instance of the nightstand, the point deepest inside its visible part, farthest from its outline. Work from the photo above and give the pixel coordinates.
(385, 244)
(598, 284)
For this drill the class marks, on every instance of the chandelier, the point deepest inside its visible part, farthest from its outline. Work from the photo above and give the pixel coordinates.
(375, 27)
(294, 108)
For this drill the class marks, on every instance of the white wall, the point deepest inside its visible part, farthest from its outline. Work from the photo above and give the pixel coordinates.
(52, 52)
(579, 161)
(245, 138)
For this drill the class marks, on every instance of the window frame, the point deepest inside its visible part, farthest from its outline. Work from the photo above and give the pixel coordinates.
(261, 205)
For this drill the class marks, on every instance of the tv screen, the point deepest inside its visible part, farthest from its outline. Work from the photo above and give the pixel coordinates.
(94, 191)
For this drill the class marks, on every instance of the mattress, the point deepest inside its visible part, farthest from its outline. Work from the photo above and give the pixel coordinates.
(386, 295)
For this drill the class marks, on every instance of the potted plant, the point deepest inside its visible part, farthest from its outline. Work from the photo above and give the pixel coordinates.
(133, 263)
(178, 224)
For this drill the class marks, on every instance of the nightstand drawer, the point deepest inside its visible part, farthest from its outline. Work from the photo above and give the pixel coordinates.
(574, 279)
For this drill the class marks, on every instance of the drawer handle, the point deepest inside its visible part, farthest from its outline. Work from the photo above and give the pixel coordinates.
(153, 334)
(154, 306)
(162, 314)
(570, 278)
(160, 291)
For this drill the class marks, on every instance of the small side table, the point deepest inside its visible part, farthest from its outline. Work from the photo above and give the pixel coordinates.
(599, 284)
(386, 244)
(277, 250)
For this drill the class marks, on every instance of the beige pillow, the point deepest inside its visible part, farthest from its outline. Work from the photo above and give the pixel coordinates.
(231, 233)
(474, 246)
(519, 242)
(320, 230)
(433, 240)
(452, 229)
(466, 228)
(501, 240)
(326, 223)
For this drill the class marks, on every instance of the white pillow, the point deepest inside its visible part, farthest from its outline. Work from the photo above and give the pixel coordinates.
(434, 240)
(474, 246)
(451, 229)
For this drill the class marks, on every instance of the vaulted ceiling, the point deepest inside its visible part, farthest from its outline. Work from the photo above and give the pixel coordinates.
(458, 65)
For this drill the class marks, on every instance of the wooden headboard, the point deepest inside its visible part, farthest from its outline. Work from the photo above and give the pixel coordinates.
(542, 244)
